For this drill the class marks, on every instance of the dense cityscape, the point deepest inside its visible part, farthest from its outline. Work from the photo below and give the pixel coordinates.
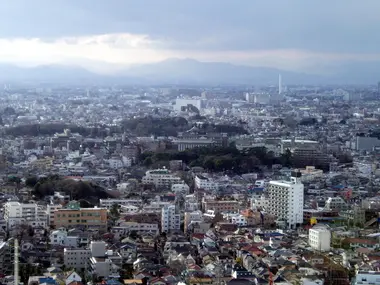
(178, 142)
(190, 185)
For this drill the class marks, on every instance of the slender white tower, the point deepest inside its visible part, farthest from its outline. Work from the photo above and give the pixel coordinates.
(16, 264)
(279, 84)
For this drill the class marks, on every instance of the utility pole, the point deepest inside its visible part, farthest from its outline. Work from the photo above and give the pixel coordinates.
(218, 272)
(16, 263)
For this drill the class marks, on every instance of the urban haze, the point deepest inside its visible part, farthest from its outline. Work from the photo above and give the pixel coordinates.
(177, 142)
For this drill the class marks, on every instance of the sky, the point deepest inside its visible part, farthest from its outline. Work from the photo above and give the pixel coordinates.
(106, 35)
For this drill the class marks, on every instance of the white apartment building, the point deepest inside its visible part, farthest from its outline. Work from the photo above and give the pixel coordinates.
(320, 238)
(170, 219)
(50, 209)
(108, 203)
(61, 237)
(286, 200)
(236, 219)
(140, 228)
(76, 258)
(58, 237)
(115, 163)
(156, 206)
(202, 182)
(336, 203)
(129, 209)
(161, 178)
(36, 151)
(17, 213)
(260, 203)
(127, 161)
(192, 218)
(180, 188)
(191, 203)
(367, 278)
(104, 263)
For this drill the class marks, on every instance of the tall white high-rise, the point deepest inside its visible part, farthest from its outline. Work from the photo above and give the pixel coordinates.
(286, 200)
(279, 84)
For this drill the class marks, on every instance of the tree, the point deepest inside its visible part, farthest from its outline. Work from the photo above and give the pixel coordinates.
(133, 235)
(85, 204)
(345, 158)
(148, 161)
(29, 269)
(31, 181)
(308, 121)
(286, 158)
(115, 212)
(30, 231)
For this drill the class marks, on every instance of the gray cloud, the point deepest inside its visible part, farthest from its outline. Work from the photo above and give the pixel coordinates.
(339, 26)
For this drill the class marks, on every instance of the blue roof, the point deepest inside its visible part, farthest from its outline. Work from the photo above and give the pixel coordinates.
(113, 282)
(274, 234)
(47, 280)
(258, 189)
(338, 186)
(329, 218)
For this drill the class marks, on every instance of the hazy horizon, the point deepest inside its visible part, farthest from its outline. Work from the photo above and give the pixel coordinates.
(294, 35)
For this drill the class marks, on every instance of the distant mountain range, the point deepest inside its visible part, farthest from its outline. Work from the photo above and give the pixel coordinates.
(189, 71)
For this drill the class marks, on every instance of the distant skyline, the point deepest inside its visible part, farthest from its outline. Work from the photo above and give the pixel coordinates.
(298, 35)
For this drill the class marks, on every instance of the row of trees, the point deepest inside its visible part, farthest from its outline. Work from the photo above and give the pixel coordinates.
(221, 158)
(45, 129)
(141, 126)
(77, 190)
(155, 126)
(171, 126)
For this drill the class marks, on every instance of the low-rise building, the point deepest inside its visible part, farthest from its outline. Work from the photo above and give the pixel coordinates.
(336, 204)
(310, 173)
(180, 188)
(205, 183)
(75, 216)
(192, 218)
(16, 213)
(320, 238)
(220, 205)
(76, 258)
(108, 203)
(140, 228)
(50, 209)
(367, 278)
(161, 178)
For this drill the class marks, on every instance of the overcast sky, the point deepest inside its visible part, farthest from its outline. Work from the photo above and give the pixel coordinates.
(290, 34)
